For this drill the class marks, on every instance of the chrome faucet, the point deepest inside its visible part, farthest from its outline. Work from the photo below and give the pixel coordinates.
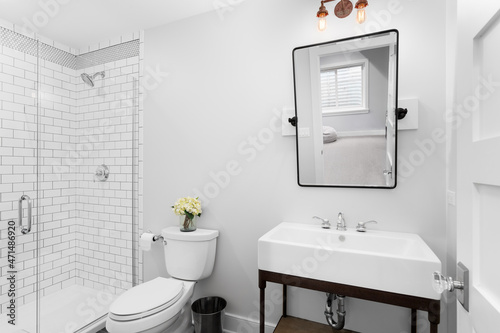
(341, 222)
(325, 223)
(361, 225)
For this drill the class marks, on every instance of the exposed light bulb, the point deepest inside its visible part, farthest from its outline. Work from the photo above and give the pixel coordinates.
(360, 6)
(361, 16)
(322, 24)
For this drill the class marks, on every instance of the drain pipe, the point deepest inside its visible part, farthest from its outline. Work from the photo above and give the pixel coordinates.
(340, 311)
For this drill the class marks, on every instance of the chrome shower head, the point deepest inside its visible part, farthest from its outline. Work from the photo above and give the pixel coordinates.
(89, 80)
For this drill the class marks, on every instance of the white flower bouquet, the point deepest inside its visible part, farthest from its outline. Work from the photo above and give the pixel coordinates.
(189, 208)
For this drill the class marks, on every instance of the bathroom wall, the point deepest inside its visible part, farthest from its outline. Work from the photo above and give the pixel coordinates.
(451, 153)
(212, 130)
(106, 128)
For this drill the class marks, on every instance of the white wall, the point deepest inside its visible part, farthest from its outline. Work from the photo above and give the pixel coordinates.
(451, 154)
(228, 72)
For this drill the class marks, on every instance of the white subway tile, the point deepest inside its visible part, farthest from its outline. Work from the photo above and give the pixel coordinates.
(24, 100)
(13, 70)
(13, 53)
(23, 82)
(10, 88)
(30, 76)
(53, 66)
(31, 59)
(21, 64)
(7, 78)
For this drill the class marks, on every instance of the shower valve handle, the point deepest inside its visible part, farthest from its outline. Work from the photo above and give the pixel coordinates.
(101, 173)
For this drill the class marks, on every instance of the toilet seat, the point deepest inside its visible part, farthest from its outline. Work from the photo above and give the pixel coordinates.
(157, 320)
(146, 299)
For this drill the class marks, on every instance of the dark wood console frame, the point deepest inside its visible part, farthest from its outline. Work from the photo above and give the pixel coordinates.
(431, 306)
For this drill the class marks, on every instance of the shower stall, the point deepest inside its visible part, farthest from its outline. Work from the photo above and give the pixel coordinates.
(69, 181)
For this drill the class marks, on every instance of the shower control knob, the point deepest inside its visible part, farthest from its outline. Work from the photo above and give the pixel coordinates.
(101, 173)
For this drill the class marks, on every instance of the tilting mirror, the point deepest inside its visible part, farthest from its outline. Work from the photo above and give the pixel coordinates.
(345, 105)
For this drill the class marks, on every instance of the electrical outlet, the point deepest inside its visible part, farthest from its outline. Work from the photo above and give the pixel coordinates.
(304, 132)
(451, 198)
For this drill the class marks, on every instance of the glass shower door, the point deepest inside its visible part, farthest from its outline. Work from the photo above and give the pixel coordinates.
(19, 103)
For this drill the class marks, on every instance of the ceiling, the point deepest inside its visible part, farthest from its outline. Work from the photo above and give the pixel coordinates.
(80, 23)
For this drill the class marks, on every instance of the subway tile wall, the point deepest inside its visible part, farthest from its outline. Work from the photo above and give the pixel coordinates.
(18, 167)
(107, 126)
(56, 199)
(85, 227)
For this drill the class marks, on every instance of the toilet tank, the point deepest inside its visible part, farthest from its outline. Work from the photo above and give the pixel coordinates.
(189, 255)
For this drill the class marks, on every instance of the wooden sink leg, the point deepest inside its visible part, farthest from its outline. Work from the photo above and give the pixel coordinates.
(413, 321)
(434, 315)
(262, 287)
(284, 300)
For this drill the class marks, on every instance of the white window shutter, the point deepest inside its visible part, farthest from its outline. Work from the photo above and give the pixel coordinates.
(342, 88)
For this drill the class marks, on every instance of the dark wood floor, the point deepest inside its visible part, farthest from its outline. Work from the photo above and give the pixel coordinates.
(297, 325)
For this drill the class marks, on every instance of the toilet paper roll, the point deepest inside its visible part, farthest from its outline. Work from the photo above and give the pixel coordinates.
(146, 241)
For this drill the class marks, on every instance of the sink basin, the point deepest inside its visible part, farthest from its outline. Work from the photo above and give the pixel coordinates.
(389, 261)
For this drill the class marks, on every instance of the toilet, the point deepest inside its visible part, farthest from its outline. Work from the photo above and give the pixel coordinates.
(163, 304)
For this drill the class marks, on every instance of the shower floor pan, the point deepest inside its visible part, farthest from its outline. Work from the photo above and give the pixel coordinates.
(72, 309)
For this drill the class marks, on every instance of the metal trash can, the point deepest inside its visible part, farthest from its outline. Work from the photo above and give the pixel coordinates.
(208, 314)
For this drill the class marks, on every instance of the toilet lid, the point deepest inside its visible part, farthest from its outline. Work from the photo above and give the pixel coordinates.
(146, 299)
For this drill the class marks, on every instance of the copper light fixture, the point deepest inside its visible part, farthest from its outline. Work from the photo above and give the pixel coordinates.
(342, 10)
(360, 6)
(322, 14)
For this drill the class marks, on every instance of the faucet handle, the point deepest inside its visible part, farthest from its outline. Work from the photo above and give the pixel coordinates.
(361, 225)
(325, 223)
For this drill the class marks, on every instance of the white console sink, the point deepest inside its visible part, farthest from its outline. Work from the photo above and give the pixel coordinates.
(395, 262)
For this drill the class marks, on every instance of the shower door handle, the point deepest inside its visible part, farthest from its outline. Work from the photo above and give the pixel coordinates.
(24, 230)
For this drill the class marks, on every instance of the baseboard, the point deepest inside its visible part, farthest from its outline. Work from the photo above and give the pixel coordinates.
(347, 134)
(238, 324)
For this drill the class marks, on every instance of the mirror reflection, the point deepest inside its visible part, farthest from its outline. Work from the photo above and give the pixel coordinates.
(345, 102)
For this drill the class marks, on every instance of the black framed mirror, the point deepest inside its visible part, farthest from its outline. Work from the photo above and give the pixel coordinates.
(346, 95)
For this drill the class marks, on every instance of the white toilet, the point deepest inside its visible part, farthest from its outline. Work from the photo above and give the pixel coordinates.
(164, 304)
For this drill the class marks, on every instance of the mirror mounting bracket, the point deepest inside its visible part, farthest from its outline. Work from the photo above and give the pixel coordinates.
(401, 113)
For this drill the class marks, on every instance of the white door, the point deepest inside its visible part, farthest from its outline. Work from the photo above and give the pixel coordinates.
(390, 119)
(477, 110)
(317, 115)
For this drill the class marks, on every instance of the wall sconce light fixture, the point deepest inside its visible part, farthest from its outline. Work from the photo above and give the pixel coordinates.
(342, 10)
